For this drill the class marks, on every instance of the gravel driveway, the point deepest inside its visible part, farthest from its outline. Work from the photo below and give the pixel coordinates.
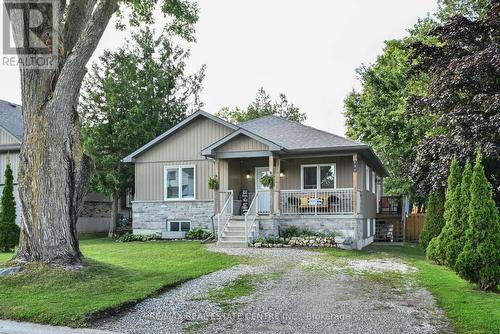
(310, 294)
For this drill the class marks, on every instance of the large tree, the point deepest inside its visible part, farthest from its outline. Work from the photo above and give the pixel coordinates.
(131, 96)
(463, 94)
(263, 106)
(376, 114)
(54, 171)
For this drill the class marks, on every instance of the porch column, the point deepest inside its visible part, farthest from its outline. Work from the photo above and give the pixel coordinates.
(277, 185)
(216, 192)
(355, 168)
(271, 190)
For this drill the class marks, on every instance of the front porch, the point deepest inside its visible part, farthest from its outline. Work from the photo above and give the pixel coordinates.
(246, 209)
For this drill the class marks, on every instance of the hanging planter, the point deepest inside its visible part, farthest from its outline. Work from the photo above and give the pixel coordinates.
(267, 181)
(213, 183)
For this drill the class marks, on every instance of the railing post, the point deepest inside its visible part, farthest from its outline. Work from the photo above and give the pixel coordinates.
(315, 202)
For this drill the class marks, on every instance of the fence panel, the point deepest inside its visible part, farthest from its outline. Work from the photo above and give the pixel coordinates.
(414, 225)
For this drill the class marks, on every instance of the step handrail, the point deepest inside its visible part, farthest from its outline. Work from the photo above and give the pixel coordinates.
(251, 216)
(225, 214)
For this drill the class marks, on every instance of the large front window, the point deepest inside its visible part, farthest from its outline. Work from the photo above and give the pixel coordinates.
(319, 176)
(179, 182)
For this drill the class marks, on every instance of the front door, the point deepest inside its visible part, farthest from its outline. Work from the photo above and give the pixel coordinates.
(263, 204)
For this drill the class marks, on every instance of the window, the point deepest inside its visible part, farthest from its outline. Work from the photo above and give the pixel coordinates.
(178, 226)
(180, 182)
(373, 182)
(322, 176)
(367, 178)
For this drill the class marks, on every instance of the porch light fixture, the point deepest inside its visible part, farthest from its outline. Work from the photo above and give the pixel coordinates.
(248, 176)
(282, 173)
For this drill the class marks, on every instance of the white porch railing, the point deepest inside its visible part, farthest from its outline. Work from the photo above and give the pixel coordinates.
(226, 213)
(251, 221)
(318, 202)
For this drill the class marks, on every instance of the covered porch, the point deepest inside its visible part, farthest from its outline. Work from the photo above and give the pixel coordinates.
(321, 186)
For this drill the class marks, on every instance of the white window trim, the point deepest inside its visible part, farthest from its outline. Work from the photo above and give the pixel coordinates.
(367, 178)
(180, 225)
(318, 173)
(374, 189)
(179, 170)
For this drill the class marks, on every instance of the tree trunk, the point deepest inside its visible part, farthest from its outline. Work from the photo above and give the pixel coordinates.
(53, 171)
(114, 214)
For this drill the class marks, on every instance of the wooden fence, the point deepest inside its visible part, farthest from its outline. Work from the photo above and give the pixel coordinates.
(414, 224)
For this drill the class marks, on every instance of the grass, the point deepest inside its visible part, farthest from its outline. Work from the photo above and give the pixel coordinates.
(115, 273)
(470, 310)
(4, 257)
(244, 285)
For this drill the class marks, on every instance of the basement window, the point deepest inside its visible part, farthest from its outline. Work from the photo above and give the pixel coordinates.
(178, 226)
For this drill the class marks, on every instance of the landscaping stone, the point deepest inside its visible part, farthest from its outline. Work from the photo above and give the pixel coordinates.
(10, 271)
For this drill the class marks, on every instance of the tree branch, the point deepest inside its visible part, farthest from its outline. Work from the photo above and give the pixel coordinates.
(78, 15)
(72, 73)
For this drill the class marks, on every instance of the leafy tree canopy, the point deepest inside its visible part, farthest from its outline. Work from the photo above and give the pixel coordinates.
(377, 115)
(263, 106)
(130, 97)
(463, 94)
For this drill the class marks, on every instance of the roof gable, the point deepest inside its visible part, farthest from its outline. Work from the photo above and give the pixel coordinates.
(175, 129)
(210, 150)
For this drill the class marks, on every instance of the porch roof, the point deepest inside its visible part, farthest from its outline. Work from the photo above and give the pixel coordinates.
(291, 139)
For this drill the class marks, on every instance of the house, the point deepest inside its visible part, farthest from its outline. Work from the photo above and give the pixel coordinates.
(321, 181)
(96, 212)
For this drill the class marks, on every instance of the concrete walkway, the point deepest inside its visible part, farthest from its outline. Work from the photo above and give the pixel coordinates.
(14, 327)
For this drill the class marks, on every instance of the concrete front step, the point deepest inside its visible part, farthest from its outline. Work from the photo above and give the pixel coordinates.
(239, 238)
(233, 234)
(233, 244)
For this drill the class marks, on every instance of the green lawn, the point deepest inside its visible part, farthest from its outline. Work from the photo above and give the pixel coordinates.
(470, 310)
(116, 273)
(5, 257)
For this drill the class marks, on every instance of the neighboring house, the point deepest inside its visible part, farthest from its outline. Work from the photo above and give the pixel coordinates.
(96, 212)
(322, 181)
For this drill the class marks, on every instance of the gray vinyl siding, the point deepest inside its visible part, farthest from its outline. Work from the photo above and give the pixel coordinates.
(292, 171)
(368, 197)
(182, 148)
(243, 143)
(6, 138)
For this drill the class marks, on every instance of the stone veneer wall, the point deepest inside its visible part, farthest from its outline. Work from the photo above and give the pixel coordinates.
(151, 217)
(349, 226)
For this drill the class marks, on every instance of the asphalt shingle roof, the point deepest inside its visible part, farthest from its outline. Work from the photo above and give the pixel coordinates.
(295, 136)
(11, 118)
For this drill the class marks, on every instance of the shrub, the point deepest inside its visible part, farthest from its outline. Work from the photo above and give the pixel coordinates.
(9, 231)
(292, 231)
(439, 245)
(198, 234)
(434, 220)
(454, 240)
(479, 261)
(129, 237)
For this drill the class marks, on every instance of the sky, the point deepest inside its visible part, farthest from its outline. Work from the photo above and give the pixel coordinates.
(308, 50)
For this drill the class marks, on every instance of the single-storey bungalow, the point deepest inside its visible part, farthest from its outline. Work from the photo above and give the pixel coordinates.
(322, 181)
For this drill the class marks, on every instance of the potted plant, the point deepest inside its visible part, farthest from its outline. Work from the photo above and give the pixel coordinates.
(267, 181)
(213, 183)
